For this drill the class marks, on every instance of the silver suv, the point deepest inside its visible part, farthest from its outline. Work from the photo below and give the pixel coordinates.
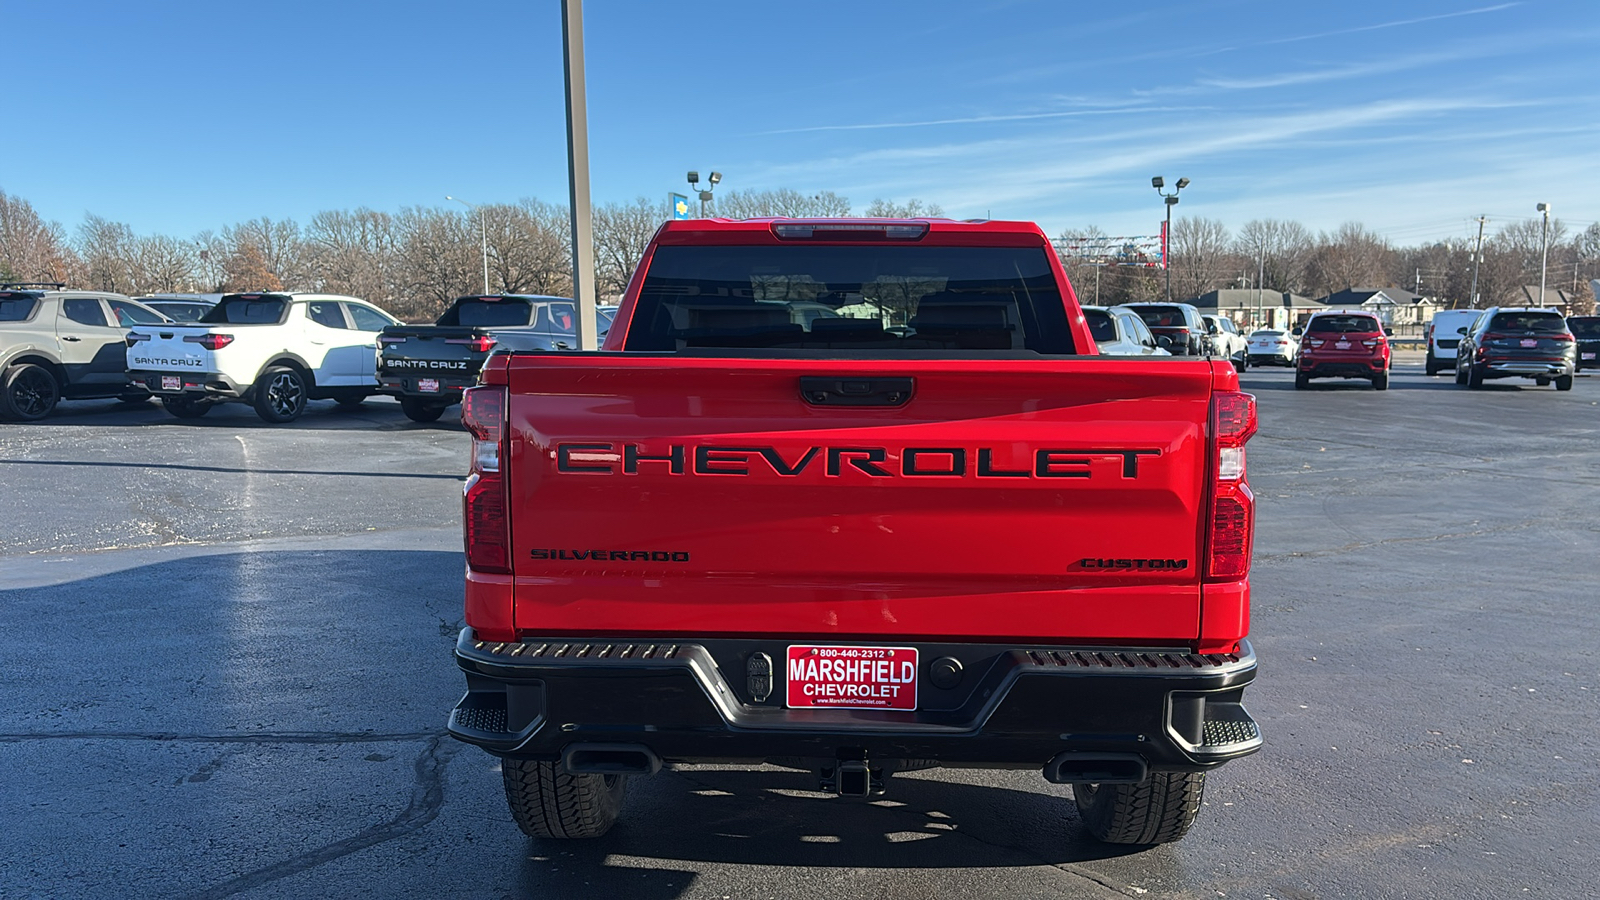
(60, 345)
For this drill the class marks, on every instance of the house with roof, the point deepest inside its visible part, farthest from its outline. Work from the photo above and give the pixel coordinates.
(1251, 309)
(1398, 308)
(1554, 298)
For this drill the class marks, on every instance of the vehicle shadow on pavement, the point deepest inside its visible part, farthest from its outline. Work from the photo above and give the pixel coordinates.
(680, 820)
(320, 415)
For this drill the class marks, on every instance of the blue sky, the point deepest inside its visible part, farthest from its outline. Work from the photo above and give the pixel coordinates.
(1411, 116)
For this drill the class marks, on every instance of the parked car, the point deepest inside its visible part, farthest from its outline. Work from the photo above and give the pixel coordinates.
(428, 366)
(1271, 347)
(274, 351)
(1518, 342)
(1586, 334)
(1120, 332)
(721, 538)
(1226, 341)
(181, 307)
(63, 345)
(1177, 326)
(1443, 334)
(1343, 344)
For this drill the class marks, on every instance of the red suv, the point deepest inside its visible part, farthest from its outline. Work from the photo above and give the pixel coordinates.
(1343, 344)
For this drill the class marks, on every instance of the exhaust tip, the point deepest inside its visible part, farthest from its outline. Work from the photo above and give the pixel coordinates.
(1096, 768)
(610, 759)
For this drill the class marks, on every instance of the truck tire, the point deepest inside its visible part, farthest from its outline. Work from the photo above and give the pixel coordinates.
(549, 802)
(1563, 382)
(186, 407)
(418, 411)
(1156, 812)
(28, 392)
(281, 394)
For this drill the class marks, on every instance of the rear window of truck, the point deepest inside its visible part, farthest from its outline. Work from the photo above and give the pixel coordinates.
(247, 309)
(16, 307)
(1343, 325)
(487, 312)
(861, 297)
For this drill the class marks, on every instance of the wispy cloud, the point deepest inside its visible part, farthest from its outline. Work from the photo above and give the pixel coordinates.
(973, 120)
(1398, 23)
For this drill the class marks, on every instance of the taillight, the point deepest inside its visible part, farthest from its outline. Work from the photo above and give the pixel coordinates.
(1563, 337)
(1370, 345)
(1314, 342)
(487, 527)
(391, 339)
(134, 337)
(210, 341)
(478, 344)
(1230, 529)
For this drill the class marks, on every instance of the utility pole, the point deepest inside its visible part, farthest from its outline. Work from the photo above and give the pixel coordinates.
(578, 174)
(1544, 248)
(1261, 275)
(1477, 259)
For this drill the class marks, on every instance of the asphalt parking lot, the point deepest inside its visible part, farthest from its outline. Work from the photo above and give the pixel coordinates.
(227, 653)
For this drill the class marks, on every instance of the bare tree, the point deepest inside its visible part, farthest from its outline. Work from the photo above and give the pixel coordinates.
(277, 247)
(622, 231)
(107, 250)
(911, 209)
(438, 261)
(163, 265)
(781, 202)
(530, 251)
(353, 253)
(1351, 257)
(1279, 251)
(1202, 256)
(30, 248)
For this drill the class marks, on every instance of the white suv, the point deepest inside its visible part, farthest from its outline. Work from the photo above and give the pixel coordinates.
(272, 350)
(1444, 335)
(1227, 342)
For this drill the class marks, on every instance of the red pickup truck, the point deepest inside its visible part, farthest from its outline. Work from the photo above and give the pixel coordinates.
(857, 497)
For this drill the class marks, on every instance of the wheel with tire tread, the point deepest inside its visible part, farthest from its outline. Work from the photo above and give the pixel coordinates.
(28, 392)
(1563, 382)
(1461, 376)
(186, 407)
(1430, 364)
(281, 394)
(1541, 382)
(547, 801)
(418, 411)
(1380, 382)
(1159, 811)
(1301, 381)
(1474, 377)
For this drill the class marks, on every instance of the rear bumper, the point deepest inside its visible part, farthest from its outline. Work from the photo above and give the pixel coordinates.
(448, 389)
(195, 385)
(1526, 368)
(691, 700)
(1344, 368)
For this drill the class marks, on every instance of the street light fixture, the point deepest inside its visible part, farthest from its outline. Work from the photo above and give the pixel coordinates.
(705, 192)
(483, 228)
(1544, 247)
(1166, 235)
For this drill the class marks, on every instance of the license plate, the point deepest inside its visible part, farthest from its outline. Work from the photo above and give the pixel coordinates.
(1529, 342)
(852, 677)
(428, 385)
(171, 383)
(1588, 356)
(1342, 345)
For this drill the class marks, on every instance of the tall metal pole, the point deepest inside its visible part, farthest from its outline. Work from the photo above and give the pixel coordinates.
(1544, 248)
(1261, 274)
(1477, 259)
(1166, 247)
(578, 174)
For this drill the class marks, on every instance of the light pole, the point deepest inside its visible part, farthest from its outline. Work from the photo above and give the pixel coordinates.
(483, 228)
(1544, 247)
(1166, 235)
(1477, 260)
(705, 192)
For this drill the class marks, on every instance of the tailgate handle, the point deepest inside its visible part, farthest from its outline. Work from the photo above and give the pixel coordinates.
(820, 390)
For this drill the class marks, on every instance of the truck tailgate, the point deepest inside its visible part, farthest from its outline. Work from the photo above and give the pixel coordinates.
(167, 351)
(1005, 498)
